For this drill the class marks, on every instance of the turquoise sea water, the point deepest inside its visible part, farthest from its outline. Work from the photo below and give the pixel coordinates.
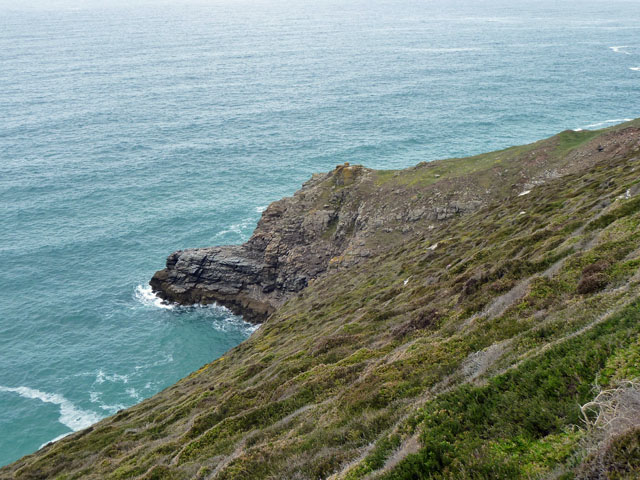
(127, 132)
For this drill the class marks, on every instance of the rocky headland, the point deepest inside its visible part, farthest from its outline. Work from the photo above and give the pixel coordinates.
(460, 319)
(345, 216)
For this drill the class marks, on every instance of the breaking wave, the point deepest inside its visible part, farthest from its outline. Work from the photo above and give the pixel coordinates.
(620, 49)
(145, 295)
(54, 439)
(603, 124)
(71, 416)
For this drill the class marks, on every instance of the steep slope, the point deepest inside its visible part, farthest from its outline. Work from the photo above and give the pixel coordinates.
(352, 213)
(459, 347)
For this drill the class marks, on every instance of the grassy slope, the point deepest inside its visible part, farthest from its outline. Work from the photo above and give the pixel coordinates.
(467, 360)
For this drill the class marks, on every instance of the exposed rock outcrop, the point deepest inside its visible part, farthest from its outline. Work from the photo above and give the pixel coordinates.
(339, 218)
(335, 220)
(292, 244)
(495, 319)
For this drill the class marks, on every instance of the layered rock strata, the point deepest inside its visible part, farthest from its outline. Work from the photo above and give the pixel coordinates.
(339, 218)
(333, 221)
(293, 243)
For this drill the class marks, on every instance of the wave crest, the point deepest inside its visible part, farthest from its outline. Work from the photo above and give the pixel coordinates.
(604, 123)
(620, 49)
(145, 295)
(70, 416)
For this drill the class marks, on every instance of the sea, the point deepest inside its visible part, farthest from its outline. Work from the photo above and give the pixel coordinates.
(132, 129)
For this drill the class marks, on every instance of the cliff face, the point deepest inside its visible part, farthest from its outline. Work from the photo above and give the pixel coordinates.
(293, 243)
(336, 220)
(456, 316)
(343, 217)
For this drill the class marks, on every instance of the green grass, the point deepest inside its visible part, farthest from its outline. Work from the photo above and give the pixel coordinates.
(484, 354)
(466, 433)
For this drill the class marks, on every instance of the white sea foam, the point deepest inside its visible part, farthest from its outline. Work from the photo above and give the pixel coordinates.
(70, 416)
(234, 323)
(620, 49)
(134, 394)
(54, 440)
(240, 228)
(244, 227)
(635, 69)
(145, 295)
(110, 409)
(229, 322)
(101, 377)
(168, 358)
(608, 122)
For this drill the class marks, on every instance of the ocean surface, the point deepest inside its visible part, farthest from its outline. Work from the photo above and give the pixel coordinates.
(129, 130)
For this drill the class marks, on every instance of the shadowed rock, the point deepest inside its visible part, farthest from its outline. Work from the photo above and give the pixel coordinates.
(343, 217)
(293, 243)
(334, 221)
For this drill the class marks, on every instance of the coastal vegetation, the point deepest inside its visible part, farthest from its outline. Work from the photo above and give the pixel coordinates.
(500, 339)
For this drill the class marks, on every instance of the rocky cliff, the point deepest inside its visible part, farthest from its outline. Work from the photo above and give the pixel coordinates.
(336, 220)
(463, 319)
(340, 218)
(294, 242)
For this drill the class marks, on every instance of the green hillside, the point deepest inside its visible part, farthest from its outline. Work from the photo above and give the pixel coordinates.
(465, 351)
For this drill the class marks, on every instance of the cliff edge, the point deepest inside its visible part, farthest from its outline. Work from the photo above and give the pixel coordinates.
(343, 217)
(462, 319)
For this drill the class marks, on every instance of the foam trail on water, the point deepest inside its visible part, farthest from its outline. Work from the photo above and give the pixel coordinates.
(607, 122)
(101, 377)
(261, 209)
(226, 320)
(620, 49)
(134, 394)
(70, 416)
(145, 295)
(110, 409)
(242, 228)
(234, 323)
(635, 69)
(54, 439)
